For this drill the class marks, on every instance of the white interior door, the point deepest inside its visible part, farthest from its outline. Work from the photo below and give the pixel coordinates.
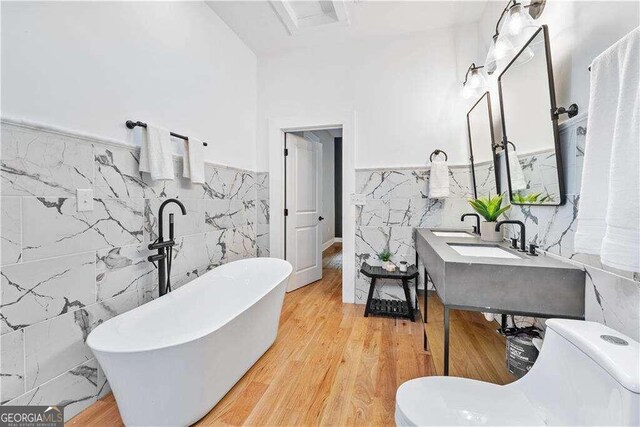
(303, 203)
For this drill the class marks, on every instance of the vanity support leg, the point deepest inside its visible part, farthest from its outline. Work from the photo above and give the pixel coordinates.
(446, 340)
(426, 283)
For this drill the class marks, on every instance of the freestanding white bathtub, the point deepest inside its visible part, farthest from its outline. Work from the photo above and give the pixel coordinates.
(171, 360)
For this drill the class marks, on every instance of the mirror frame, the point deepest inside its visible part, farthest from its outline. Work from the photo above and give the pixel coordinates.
(493, 141)
(554, 120)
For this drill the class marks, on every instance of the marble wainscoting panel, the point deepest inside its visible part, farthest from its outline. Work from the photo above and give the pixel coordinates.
(122, 270)
(35, 163)
(191, 223)
(55, 227)
(57, 345)
(240, 243)
(216, 248)
(369, 242)
(396, 202)
(229, 183)
(11, 230)
(460, 182)
(190, 259)
(552, 228)
(224, 214)
(415, 212)
(612, 300)
(75, 390)
(263, 246)
(117, 175)
(12, 366)
(389, 184)
(39, 290)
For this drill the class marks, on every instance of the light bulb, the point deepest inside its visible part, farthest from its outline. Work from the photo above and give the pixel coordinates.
(516, 21)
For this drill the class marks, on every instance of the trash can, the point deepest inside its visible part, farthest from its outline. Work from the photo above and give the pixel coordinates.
(521, 352)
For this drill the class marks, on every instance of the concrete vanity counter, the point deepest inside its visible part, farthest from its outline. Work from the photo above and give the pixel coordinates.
(507, 282)
(540, 286)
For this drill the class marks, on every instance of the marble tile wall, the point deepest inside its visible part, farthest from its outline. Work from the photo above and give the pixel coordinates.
(612, 296)
(262, 228)
(397, 201)
(64, 272)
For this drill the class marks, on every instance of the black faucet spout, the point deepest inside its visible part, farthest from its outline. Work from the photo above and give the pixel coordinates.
(161, 211)
(476, 228)
(522, 231)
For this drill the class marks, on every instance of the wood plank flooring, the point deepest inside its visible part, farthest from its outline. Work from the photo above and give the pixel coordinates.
(332, 366)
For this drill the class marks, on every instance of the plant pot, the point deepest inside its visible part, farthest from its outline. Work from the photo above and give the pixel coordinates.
(488, 232)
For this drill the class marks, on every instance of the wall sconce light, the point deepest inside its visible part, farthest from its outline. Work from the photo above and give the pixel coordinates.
(474, 82)
(512, 32)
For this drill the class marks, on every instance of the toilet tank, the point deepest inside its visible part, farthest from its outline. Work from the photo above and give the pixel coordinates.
(581, 378)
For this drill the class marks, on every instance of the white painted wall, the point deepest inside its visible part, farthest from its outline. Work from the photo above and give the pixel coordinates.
(405, 90)
(579, 31)
(90, 66)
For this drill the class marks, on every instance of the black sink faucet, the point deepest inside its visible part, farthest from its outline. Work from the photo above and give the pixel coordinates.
(476, 228)
(165, 248)
(522, 231)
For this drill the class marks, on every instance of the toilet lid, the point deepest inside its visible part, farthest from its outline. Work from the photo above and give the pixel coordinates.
(434, 401)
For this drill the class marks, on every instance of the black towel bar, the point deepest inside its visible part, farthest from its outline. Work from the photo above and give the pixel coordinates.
(131, 124)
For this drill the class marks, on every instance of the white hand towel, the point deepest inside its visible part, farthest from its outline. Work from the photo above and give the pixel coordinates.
(515, 171)
(193, 160)
(608, 217)
(439, 179)
(156, 153)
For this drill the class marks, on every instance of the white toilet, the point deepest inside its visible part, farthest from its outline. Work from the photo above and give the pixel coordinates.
(586, 374)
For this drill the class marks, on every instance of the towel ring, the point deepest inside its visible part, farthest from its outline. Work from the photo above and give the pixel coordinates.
(436, 152)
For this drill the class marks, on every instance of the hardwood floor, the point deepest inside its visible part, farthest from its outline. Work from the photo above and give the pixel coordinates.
(332, 366)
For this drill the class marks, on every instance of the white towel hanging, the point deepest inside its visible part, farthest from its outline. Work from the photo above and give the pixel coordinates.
(608, 222)
(156, 154)
(193, 160)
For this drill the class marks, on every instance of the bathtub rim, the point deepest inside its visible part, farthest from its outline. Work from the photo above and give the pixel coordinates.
(100, 349)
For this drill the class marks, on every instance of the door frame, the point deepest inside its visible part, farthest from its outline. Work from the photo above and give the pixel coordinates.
(277, 128)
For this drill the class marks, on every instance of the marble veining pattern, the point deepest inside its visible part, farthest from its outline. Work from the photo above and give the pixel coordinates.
(57, 228)
(11, 233)
(43, 164)
(65, 272)
(396, 202)
(262, 214)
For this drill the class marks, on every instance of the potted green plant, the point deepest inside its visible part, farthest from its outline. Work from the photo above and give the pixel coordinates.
(490, 208)
(385, 257)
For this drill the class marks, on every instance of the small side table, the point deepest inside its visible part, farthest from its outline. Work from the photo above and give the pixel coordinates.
(392, 308)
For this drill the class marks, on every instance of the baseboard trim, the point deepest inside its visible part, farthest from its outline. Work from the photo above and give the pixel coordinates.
(328, 244)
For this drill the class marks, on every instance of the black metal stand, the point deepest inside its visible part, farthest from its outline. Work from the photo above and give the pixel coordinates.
(390, 308)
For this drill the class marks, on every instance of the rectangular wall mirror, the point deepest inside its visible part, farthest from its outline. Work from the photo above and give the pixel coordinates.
(530, 129)
(481, 152)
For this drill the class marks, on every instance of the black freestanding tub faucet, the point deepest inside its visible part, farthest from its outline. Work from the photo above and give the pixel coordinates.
(164, 248)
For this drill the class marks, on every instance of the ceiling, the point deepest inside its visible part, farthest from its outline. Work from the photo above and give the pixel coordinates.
(266, 29)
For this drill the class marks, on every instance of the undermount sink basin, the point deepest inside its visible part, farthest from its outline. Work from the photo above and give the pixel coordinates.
(491, 251)
(452, 234)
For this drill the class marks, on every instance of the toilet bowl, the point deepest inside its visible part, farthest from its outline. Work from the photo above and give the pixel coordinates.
(586, 374)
